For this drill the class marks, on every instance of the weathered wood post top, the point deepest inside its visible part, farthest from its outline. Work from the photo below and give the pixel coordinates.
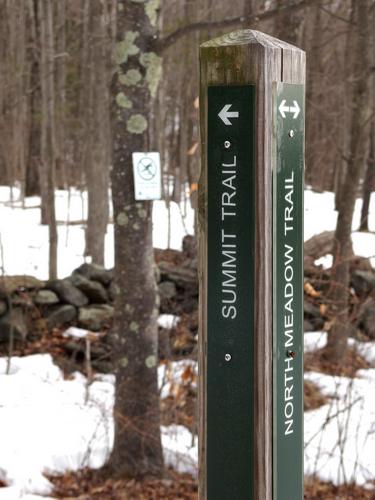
(251, 244)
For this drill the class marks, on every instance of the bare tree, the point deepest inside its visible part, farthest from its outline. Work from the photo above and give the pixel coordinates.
(339, 331)
(96, 144)
(14, 80)
(368, 183)
(287, 23)
(48, 134)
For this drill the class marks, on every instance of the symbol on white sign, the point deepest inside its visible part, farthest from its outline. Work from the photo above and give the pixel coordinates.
(147, 175)
(225, 114)
(289, 109)
(146, 168)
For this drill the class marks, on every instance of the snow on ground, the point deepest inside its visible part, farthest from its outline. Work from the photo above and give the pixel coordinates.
(25, 241)
(317, 340)
(167, 321)
(314, 341)
(52, 424)
(320, 215)
(340, 436)
(46, 423)
(171, 376)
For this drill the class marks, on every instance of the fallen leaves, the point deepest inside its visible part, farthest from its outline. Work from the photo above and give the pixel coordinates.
(318, 490)
(316, 361)
(313, 397)
(88, 485)
(310, 290)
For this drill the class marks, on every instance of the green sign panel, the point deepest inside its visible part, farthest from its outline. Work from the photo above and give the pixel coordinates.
(230, 328)
(288, 291)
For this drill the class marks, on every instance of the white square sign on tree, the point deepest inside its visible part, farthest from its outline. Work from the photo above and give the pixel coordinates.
(147, 176)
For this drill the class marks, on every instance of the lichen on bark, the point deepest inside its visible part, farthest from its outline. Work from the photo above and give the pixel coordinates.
(123, 101)
(150, 361)
(124, 362)
(131, 78)
(136, 124)
(129, 308)
(153, 64)
(134, 327)
(122, 219)
(126, 47)
(151, 8)
(142, 213)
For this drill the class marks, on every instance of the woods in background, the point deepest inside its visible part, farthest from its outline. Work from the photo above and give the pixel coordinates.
(84, 83)
(56, 70)
(57, 67)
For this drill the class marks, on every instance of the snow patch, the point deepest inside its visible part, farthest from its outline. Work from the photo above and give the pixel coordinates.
(171, 376)
(168, 321)
(47, 425)
(340, 436)
(50, 424)
(180, 449)
(25, 240)
(314, 341)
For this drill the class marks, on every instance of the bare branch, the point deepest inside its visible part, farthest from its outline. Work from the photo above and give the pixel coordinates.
(264, 15)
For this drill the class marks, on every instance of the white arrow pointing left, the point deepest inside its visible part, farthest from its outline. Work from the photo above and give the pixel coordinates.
(225, 114)
(283, 108)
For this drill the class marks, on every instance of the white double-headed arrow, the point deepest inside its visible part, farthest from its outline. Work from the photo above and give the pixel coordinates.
(289, 109)
(225, 114)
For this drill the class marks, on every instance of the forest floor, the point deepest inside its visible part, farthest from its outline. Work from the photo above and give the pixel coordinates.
(57, 428)
(84, 485)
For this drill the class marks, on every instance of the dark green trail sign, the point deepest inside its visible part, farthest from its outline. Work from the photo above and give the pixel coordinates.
(250, 204)
(288, 292)
(230, 316)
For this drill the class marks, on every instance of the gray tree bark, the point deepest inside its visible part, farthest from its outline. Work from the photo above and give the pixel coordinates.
(368, 183)
(97, 157)
(339, 286)
(48, 138)
(137, 449)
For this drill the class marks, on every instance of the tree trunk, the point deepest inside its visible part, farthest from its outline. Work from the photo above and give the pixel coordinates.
(32, 184)
(48, 142)
(287, 24)
(339, 287)
(96, 153)
(137, 449)
(341, 170)
(60, 71)
(368, 183)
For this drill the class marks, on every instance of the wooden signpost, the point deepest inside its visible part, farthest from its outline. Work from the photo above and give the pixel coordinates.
(250, 236)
